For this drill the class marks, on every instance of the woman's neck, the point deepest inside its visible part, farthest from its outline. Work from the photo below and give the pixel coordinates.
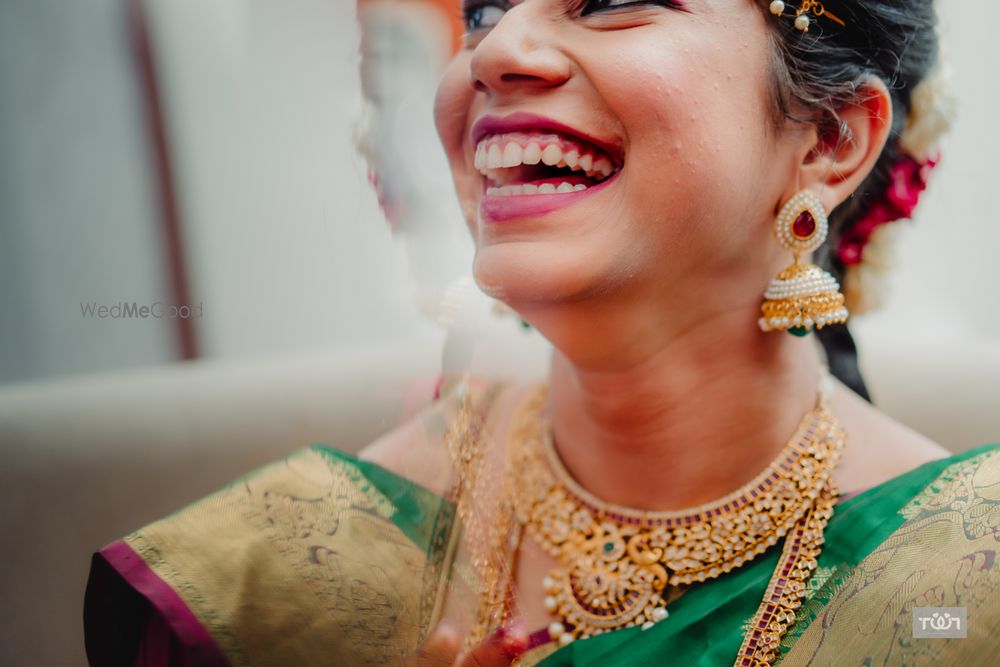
(686, 424)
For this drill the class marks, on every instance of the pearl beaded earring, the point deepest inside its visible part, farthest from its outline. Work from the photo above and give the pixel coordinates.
(803, 296)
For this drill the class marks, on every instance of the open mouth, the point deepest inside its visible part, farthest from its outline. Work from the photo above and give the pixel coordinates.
(541, 162)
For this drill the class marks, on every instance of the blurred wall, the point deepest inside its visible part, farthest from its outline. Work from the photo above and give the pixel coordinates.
(77, 211)
(287, 245)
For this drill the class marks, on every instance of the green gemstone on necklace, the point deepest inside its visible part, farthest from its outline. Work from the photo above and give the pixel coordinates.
(609, 546)
(799, 331)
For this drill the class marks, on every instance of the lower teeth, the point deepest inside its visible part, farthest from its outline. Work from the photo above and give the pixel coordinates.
(532, 189)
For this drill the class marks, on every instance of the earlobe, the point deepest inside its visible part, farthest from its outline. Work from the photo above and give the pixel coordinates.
(838, 162)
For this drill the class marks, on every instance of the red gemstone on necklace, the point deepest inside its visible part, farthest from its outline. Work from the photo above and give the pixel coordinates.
(804, 225)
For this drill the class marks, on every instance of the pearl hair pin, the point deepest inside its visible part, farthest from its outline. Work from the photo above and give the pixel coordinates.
(802, 20)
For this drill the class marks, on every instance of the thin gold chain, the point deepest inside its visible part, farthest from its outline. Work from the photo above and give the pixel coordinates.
(489, 534)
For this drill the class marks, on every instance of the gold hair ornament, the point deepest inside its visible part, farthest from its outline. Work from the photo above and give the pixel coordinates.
(802, 20)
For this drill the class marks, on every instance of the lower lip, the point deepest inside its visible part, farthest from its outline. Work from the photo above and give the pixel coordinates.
(501, 208)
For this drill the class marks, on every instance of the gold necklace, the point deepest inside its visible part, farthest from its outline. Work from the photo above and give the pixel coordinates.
(615, 563)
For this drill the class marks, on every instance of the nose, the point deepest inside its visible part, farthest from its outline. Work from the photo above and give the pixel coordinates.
(518, 52)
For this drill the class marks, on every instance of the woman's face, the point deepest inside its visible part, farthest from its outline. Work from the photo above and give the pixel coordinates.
(659, 115)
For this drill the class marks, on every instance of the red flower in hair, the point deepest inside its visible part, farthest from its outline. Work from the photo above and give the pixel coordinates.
(907, 179)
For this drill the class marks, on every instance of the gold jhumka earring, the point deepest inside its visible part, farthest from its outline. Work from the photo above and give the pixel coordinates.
(803, 296)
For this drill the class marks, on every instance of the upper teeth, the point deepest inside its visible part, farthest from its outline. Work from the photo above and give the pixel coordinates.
(501, 152)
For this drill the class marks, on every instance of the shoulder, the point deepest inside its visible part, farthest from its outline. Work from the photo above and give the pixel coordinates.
(966, 488)
(418, 450)
(307, 493)
(320, 541)
(942, 556)
(878, 447)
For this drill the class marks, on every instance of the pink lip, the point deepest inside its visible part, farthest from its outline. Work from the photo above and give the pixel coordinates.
(522, 120)
(499, 208)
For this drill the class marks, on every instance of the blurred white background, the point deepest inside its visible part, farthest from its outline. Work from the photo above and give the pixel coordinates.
(284, 243)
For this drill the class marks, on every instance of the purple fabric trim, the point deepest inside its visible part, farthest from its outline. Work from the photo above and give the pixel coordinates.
(166, 603)
(159, 647)
(538, 638)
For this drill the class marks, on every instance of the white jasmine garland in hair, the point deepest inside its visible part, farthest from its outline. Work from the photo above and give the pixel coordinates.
(932, 111)
(907, 180)
(866, 284)
(867, 248)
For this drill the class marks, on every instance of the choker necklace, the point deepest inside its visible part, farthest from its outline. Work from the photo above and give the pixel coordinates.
(618, 567)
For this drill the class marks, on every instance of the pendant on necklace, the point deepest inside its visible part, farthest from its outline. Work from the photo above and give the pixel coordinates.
(616, 579)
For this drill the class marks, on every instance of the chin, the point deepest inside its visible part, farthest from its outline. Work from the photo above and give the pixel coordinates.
(538, 272)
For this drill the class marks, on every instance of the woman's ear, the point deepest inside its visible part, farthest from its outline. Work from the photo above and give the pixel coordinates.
(835, 164)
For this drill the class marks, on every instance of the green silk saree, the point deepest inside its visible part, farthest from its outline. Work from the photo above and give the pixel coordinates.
(325, 559)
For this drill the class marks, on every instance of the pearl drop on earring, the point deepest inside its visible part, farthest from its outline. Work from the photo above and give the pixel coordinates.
(802, 22)
(777, 7)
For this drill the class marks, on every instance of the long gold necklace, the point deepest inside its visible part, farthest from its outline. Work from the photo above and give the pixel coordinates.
(617, 566)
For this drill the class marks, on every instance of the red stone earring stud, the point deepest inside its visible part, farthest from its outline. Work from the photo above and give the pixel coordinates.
(803, 296)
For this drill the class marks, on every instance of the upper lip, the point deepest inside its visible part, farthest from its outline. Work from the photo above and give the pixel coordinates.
(522, 120)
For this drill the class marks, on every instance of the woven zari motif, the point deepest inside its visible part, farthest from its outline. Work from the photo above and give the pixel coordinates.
(616, 565)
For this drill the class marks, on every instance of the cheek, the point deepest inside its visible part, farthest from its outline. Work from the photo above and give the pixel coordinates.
(451, 104)
(695, 118)
(453, 111)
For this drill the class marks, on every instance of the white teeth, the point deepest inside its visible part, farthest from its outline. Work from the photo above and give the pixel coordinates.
(511, 155)
(532, 154)
(533, 189)
(551, 155)
(496, 153)
(494, 159)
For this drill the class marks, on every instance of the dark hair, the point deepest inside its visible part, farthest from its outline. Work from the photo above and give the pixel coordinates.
(818, 72)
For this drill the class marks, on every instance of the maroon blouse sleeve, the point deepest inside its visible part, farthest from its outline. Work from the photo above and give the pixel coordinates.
(159, 646)
(134, 619)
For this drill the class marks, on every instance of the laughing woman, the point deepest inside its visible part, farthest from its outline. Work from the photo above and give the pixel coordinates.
(671, 192)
